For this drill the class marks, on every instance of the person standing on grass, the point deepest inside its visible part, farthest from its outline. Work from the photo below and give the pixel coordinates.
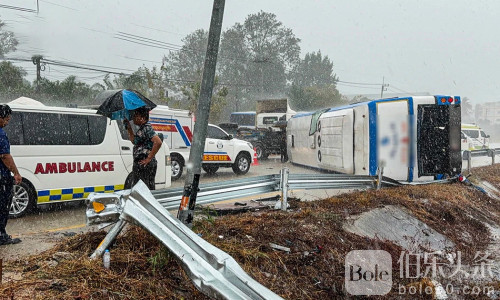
(7, 166)
(146, 145)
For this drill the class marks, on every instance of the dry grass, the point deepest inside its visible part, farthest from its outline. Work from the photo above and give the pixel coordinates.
(142, 268)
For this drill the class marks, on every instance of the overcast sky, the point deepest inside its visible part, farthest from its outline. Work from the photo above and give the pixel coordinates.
(437, 46)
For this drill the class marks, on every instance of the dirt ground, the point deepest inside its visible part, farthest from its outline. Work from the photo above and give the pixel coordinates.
(142, 268)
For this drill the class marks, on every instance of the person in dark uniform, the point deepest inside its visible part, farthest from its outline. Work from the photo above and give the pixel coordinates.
(7, 166)
(146, 145)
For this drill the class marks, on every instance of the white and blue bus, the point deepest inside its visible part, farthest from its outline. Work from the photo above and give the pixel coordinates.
(243, 119)
(414, 138)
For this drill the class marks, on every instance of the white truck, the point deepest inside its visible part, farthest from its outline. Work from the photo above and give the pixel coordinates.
(269, 111)
(221, 149)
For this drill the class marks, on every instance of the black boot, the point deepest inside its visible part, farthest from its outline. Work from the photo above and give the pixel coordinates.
(6, 239)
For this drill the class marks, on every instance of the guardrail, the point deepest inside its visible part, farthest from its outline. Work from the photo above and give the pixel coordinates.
(252, 186)
(212, 271)
(468, 155)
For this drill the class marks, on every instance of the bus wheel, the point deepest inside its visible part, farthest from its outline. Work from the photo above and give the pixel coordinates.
(23, 200)
(177, 167)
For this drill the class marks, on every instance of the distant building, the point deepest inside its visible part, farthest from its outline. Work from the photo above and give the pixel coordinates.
(488, 112)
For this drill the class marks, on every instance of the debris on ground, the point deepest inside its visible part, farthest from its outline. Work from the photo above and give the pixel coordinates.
(459, 216)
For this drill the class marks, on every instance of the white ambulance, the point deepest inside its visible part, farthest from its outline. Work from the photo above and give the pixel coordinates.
(221, 149)
(474, 138)
(63, 154)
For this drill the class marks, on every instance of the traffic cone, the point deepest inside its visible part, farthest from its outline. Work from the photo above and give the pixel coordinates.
(255, 161)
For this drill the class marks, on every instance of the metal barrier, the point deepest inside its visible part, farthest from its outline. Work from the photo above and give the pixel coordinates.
(468, 155)
(212, 271)
(253, 186)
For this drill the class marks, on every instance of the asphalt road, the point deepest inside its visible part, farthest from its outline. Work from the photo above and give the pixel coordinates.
(40, 230)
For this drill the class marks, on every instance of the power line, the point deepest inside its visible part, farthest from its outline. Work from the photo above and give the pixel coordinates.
(18, 8)
(358, 83)
(59, 5)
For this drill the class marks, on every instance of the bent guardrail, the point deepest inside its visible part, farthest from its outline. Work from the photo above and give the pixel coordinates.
(212, 271)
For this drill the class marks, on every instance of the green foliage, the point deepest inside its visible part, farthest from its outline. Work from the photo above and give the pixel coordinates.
(187, 64)
(160, 259)
(8, 42)
(315, 97)
(11, 77)
(218, 102)
(314, 84)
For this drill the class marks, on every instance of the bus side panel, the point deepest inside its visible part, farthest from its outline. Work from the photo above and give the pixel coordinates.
(335, 141)
(393, 139)
(300, 144)
(361, 140)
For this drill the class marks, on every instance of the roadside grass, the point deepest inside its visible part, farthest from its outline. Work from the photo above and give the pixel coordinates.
(142, 268)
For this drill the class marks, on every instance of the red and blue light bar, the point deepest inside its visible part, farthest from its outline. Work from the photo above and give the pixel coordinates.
(447, 100)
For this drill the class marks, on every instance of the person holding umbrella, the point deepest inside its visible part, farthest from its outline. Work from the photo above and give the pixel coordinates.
(146, 145)
(122, 104)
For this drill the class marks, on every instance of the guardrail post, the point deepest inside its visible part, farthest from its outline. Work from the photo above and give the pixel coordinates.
(284, 188)
(468, 156)
(108, 239)
(491, 152)
(283, 202)
(380, 174)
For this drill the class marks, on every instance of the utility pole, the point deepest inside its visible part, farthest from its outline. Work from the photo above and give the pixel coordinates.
(384, 88)
(188, 201)
(39, 66)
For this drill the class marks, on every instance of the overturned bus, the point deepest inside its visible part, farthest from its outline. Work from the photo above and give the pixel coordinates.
(413, 138)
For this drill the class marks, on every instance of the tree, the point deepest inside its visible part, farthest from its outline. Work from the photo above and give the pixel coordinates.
(11, 77)
(273, 51)
(233, 66)
(467, 111)
(314, 83)
(8, 42)
(12, 82)
(186, 65)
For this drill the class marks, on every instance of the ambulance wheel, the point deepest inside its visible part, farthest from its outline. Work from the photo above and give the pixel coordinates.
(241, 164)
(177, 166)
(260, 151)
(210, 169)
(23, 201)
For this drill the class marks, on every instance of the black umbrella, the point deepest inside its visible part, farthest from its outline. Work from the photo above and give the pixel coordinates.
(117, 104)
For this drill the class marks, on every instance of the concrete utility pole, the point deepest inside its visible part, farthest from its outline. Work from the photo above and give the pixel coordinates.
(384, 88)
(188, 202)
(36, 61)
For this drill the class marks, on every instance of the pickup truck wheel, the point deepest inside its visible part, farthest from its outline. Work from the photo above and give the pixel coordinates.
(210, 169)
(242, 164)
(177, 167)
(24, 200)
(260, 151)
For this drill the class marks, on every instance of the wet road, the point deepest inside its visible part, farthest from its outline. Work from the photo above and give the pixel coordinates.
(70, 217)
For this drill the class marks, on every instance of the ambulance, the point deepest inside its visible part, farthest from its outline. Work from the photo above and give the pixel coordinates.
(474, 138)
(221, 149)
(63, 154)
